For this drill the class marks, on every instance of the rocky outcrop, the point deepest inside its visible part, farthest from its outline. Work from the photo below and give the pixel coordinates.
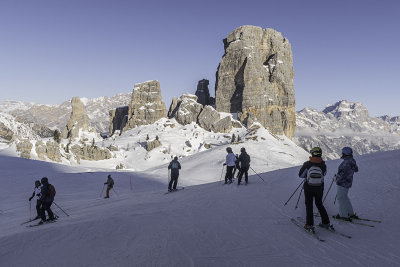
(89, 152)
(25, 147)
(79, 120)
(255, 79)
(40, 149)
(5, 132)
(185, 109)
(53, 151)
(202, 92)
(118, 119)
(146, 106)
(150, 145)
(210, 120)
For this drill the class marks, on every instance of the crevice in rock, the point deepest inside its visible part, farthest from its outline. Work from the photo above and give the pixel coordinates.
(237, 97)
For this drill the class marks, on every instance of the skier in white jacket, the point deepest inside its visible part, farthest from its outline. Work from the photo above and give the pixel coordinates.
(230, 165)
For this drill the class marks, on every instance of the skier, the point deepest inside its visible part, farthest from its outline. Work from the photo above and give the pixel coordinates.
(47, 194)
(110, 185)
(36, 193)
(244, 160)
(230, 164)
(174, 166)
(314, 171)
(344, 181)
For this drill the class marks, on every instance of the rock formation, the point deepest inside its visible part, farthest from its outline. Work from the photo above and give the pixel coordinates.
(209, 119)
(185, 109)
(150, 145)
(25, 147)
(90, 152)
(5, 133)
(255, 79)
(146, 105)
(79, 120)
(202, 92)
(118, 119)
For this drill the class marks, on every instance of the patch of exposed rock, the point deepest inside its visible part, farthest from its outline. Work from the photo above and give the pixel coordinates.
(203, 93)
(89, 152)
(255, 79)
(210, 120)
(5, 132)
(150, 145)
(24, 147)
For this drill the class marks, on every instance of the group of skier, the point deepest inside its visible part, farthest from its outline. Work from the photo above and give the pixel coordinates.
(44, 194)
(313, 172)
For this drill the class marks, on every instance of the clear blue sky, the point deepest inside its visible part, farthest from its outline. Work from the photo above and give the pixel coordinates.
(51, 51)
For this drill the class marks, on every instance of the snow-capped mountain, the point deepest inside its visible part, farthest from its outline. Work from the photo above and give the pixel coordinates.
(56, 116)
(346, 124)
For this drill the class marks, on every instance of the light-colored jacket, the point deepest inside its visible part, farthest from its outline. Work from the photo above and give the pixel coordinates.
(230, 159)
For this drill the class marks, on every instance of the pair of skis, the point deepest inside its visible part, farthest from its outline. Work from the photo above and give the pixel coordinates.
(173, 191)
(300, 223)
(357, 221)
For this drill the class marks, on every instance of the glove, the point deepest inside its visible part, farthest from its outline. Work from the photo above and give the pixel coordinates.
(224, 164)
(30, 198)
(334, 178)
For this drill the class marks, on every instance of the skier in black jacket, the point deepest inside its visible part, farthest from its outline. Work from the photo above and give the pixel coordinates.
(47, 199)
(314, 188)
(174, 166)
(244, 161)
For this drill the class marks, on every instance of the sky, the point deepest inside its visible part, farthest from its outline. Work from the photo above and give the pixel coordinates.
(51, 51)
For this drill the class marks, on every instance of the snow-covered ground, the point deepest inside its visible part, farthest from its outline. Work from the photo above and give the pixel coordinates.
(206, 224)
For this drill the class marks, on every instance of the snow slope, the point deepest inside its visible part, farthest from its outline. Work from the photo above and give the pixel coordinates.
(203, 225)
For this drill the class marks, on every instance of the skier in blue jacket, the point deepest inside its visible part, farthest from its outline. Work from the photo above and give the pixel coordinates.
(344, 181)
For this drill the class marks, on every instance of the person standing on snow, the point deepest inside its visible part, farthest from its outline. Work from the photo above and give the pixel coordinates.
(244, 161)
(230, 165)
(344, 181)
(174, 166)
(47, 194)
(314, 171)
(36, 193)
(110, 185)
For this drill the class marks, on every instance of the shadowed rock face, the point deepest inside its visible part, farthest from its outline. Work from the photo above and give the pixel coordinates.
(202, 93)
(146, 106)
(255, 79)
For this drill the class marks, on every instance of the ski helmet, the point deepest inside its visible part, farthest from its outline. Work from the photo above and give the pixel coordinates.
(37, 182)
(243, 149)
(44, 180)
(347, 151)
(229, 149)
(316, 152)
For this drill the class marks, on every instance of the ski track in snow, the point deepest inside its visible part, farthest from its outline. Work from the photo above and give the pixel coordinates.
(207, 224)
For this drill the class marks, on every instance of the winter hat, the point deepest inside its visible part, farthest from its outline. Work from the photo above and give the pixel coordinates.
(37, 182)
(347, 151)
(44, 180)
(229, 149)
(175, 158)
(243, 149)
(316, 152)
(109, 176)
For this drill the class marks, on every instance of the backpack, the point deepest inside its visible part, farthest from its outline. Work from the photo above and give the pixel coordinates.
(52, 191)
(175, 165)
(315, 176)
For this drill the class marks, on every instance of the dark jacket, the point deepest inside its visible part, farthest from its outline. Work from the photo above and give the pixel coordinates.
(45, 194)
(314, 161)
(347, 168)
(175, 169)
(244, 160)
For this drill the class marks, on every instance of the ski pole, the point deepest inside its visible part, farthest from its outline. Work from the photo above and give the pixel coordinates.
(102, 190)
(328, 190)
(334, 202)
(220, 179)
(301, 191)
(256, 173)
(115, 191)
(30, 210)
(60, 208)
(294, 192)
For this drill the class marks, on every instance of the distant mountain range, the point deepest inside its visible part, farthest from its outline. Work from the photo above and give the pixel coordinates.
(341, 124)
(346, 124)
